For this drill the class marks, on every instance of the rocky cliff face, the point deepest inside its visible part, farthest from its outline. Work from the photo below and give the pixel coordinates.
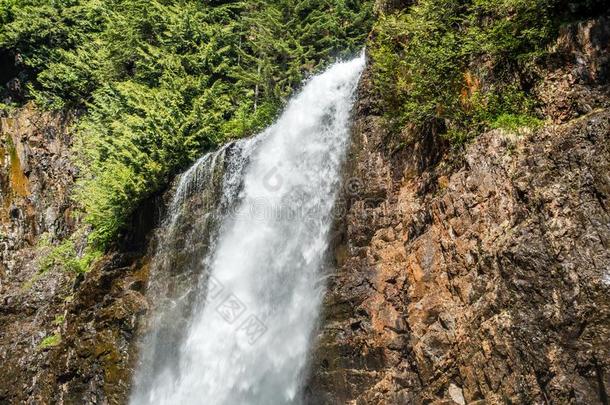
(483, 275)
(64, 337)
(35, 179)
(36, 176)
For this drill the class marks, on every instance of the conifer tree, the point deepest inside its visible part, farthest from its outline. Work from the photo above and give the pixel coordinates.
(161, 81)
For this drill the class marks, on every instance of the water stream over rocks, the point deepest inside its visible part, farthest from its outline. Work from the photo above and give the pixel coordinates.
(241, 258)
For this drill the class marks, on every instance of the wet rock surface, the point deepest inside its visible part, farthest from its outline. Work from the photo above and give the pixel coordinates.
(478, 276)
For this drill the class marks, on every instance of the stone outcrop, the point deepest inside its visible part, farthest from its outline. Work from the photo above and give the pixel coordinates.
(64, 337)
(479, 276)
(35, 178)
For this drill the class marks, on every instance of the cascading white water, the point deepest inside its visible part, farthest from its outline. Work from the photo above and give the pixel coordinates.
(260, 290)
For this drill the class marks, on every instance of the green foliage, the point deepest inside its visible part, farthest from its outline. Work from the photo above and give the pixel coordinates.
(50, 341)
(425, 56)
(164, 80)
(516, 122)
(65, 257)
(59, 320)
(44, 240)
(41, 31)
(6, 11)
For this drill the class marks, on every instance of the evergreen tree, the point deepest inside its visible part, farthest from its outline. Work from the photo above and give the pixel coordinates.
(161, 81)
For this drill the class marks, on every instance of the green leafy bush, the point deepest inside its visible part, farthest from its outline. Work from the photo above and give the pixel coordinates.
(516, 122)
(59, 320)
(50, 341)
(6, 10)
(65, 257)
(41, 31)
(455, 64)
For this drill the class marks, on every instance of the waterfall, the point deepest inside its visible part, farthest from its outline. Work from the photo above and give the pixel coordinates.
(237, 279)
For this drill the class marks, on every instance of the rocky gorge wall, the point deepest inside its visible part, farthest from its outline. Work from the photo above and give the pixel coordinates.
(65, 336)
(479, 276)
(35, 180)
(462, 276)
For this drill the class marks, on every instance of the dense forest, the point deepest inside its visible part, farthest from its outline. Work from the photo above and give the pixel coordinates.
(156, 83)
(162, 81)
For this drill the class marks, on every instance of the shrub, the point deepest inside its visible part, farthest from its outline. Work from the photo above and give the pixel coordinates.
(59, 320)
(50, 341)
(430, 61)
(65, 257)
(516, 122)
